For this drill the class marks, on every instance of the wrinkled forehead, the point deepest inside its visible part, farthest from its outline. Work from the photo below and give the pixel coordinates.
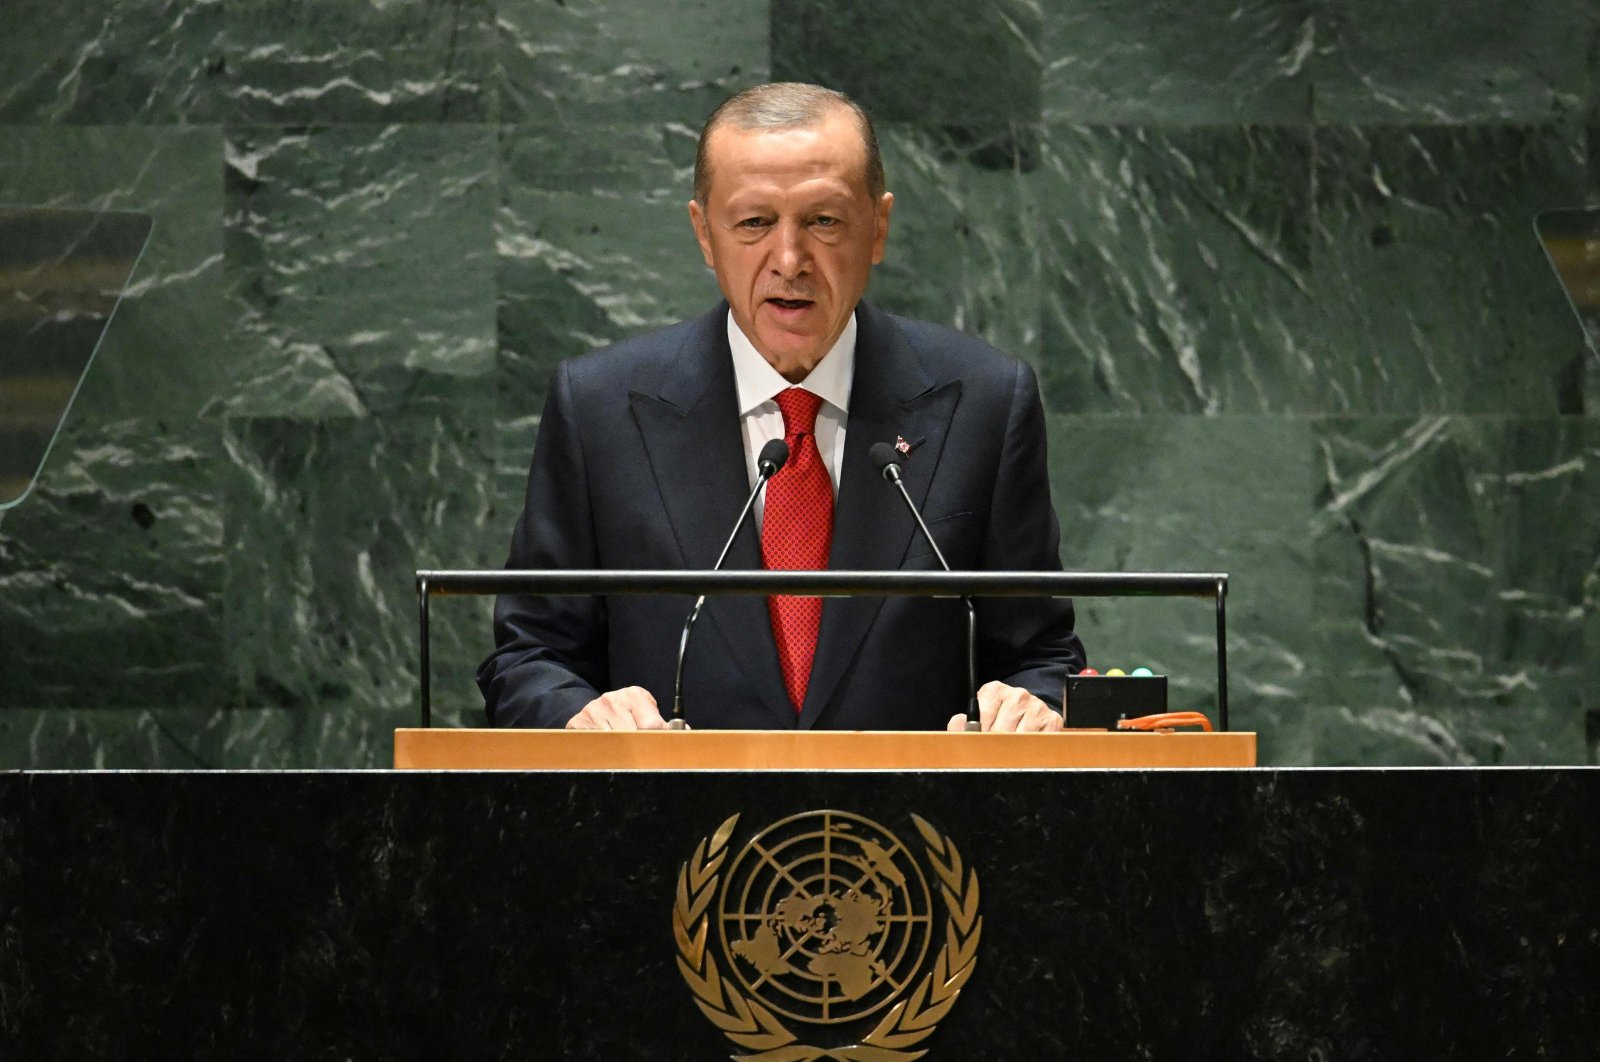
(830, 149)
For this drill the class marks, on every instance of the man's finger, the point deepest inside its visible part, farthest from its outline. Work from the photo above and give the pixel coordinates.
(641, 708)
(603, 714)
(1011, 709)
(1041, 718)
(989, 697)
(620, 709)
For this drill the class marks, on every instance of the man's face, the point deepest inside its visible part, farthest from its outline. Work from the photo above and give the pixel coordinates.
(792, 233)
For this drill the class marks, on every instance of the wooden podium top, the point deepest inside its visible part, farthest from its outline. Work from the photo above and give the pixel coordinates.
(791, 750)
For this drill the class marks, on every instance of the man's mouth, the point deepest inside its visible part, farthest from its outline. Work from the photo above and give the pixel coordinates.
(791, 304)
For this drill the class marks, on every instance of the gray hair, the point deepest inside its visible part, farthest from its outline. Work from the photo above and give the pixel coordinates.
(785, 105)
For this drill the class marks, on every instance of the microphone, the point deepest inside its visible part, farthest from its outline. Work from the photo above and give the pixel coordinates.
(771, 458)
(887, 458)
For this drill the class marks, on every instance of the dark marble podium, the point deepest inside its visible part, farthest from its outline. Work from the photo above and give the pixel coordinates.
(1271, 914)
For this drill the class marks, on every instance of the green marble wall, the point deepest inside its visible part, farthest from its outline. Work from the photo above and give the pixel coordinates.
(1275, 261)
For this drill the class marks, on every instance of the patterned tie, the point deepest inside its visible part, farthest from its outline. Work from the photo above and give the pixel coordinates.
(796, 534)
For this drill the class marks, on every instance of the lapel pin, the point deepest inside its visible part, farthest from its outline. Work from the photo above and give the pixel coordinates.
(901, 444)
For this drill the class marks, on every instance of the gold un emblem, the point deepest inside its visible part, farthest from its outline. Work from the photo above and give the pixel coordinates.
(820, 928)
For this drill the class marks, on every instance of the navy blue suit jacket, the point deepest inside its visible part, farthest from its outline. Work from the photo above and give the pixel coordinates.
(640, 464)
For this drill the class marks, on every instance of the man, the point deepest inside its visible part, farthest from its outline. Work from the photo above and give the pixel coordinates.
(647, 449)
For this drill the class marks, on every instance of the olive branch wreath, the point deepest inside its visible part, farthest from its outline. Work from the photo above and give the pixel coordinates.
(756, 1028)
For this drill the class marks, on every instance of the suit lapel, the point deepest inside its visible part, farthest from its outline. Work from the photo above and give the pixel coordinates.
(892, 395)
(688, 418)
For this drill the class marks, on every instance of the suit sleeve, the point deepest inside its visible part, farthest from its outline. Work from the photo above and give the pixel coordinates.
(550, 652)
(1026, 642)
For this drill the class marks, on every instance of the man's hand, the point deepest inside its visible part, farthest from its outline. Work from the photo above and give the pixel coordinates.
(627, 709)
(1010, 708)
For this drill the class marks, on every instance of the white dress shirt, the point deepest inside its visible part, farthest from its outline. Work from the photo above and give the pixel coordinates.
(762, 421)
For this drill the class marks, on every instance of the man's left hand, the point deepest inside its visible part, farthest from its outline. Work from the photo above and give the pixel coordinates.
(1010, 708)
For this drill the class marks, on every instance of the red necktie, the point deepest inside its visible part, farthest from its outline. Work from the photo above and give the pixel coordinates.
(796, 534)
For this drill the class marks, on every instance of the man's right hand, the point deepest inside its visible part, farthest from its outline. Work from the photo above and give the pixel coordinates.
(626, 709)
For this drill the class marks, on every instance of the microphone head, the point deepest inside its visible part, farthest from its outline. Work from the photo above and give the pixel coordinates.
(772, 457)
(887, 458)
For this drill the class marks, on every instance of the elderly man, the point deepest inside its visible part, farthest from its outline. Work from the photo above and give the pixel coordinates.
(647, 449)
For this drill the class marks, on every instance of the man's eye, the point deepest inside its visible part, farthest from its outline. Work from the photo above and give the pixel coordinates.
(752, 223)
(826, 221)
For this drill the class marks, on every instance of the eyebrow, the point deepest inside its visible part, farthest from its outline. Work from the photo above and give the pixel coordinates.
(764, 204)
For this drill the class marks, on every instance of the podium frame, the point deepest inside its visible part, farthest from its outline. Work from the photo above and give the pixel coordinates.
(447, 749)
(588, 582)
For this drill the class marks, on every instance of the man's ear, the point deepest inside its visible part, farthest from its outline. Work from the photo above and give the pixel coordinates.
(881, 211)
(702, 232)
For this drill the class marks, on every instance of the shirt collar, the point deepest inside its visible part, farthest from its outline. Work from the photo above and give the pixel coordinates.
(758, 381)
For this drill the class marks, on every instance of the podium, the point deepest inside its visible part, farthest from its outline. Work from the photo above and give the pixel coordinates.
(790, 750)
(1369, 913)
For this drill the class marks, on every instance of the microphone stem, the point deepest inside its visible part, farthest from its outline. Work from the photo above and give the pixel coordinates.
(973, 718)
(677, 721)
(917, 516)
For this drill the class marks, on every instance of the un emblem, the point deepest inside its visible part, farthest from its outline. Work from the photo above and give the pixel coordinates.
(821, 926)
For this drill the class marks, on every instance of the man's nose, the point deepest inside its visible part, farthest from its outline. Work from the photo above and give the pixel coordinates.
(792, 256)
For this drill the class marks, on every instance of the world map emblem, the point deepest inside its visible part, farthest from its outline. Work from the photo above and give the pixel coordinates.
(827, 936)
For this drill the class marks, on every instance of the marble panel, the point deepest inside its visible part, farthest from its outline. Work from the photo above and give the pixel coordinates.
(142, 739)
(163, 354)
(946, 63)
(100, 62)
(360, 61)
(595, 61)
(1450, 556)
(331, 740)
(1434, 294)
(327, 523)
(204, 738)
(1440, 62)
(594, 245)
(111, 572)
(964, 235)
(1227, 494)
(1591, 137)
(359, 261)
(1176, 272)
(1591, 593)
(1179, 62)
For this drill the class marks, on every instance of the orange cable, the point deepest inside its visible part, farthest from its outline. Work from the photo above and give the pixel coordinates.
(1166, 721)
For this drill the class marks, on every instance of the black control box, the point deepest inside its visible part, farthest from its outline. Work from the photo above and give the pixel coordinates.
(1098, 701)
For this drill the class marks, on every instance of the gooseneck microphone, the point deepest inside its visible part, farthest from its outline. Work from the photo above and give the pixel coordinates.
(771, 458)
(887, 458)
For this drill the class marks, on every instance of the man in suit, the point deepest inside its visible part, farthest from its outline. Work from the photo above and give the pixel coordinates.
(647, 449)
